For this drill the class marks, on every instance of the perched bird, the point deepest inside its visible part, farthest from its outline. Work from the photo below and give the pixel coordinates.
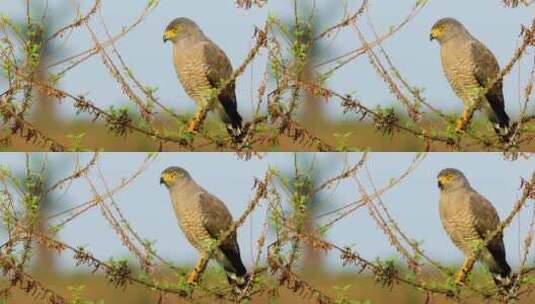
(202, 218)
(202, 68)
(468, 218)
(470, 67)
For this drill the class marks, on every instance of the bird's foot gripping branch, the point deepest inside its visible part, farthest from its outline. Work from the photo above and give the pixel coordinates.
(296, 211)
(302, 81)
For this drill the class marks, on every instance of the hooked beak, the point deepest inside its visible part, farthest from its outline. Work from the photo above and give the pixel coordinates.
(168, 35)
(443, 181)
(162, 181)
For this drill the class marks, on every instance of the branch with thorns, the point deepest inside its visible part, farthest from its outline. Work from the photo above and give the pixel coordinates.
(277, 109)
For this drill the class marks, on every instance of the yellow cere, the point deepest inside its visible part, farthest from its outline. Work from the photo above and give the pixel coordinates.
(437, 31)
(167, 177)
(170, 33)
(444, 179)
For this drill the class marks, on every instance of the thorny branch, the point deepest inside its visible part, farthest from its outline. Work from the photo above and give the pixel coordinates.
(272, 194)
(280, 93)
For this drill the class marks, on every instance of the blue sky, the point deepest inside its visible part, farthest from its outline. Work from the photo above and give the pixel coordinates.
(414, 203)
(418, 59)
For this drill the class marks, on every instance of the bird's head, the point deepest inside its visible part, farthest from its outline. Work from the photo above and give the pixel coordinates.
(445, 28)
(174, 176)
(450, 178)
(179, 28)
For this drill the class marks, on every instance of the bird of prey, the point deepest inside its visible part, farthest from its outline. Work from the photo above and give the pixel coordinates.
(468, 218)
(203, 218)
(470, 67)
(202, 68)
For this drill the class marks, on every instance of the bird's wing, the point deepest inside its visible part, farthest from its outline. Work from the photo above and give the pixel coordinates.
(218, 62)
(219, 71)
(219, 66)
(218, 220)
(487, 221)
(486, 68)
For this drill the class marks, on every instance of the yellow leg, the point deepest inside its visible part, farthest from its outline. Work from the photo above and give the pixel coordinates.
(468, 264)
(459, 126)
(463, 121)
(193, 125)
(199, 268)
(193, 278)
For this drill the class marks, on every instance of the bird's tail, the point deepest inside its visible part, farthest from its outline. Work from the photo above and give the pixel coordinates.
(502, 277)
(235, 131)
(504, 283)
(501, 280)
(501, 124)
(239, 281)
(231, 117)
(234, 269)
(503, 132)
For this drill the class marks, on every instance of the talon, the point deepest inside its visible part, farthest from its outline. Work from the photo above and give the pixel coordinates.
(460, 278)
(462, 274)
(460, 126)
(462, 123)
(192, 278)
(194, 124)
(192, 127)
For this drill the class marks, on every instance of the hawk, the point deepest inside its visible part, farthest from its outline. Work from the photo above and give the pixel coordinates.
(470, 67)
(468, 218)
(202, 68)
(202, 218)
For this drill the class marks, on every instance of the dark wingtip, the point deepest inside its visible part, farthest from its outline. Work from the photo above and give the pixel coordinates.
(503, 283)
(502, 277)
(238, 281)
(503, 132)
(236, 132)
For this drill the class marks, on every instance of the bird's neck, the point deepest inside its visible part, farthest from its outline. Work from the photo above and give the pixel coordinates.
(455, 188)
(183, 189)
(458, 38)
(188, 40)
